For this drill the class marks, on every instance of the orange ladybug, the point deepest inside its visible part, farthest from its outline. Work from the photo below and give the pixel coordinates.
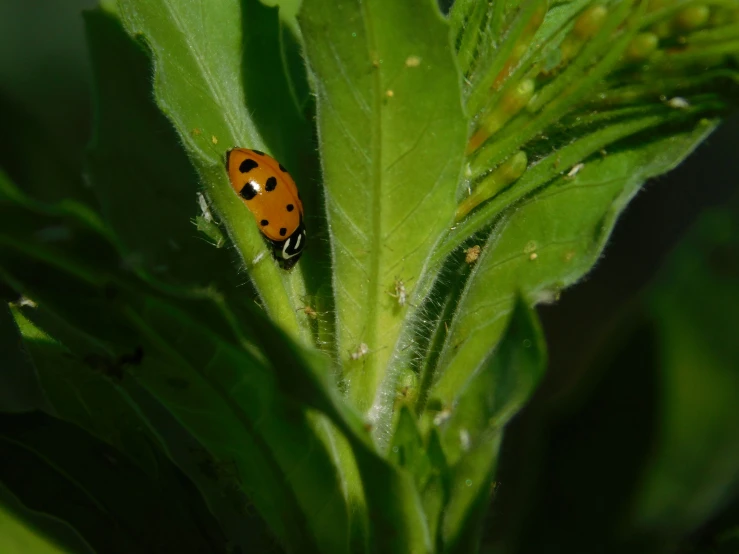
(270, 193)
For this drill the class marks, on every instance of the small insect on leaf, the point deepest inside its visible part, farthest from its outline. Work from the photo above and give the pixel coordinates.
(472, 254)
(400, 292)
(575, 170)
(678, 103)
(310, 312)
(361, 351)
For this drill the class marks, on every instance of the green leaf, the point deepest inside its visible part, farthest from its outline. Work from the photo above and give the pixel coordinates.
(471, 488)
(390, 168)
(471, 435)
(557, 162)
(222, 398)
(81, 395)
(407, 448)
(123, 415)
(196, 54)
(224, 395)
(56, 468)
(548, 242)
(24, 530)
(500, 386)
(396, 514)
(435, 494)
(138, 166)
(20, 153)
(539, 74)
(229, 401)
(20, 390)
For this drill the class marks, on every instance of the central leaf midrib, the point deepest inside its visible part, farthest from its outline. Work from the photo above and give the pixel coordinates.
(376, 213)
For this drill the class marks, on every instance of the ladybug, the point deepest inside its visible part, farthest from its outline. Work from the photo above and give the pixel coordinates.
(270, 193)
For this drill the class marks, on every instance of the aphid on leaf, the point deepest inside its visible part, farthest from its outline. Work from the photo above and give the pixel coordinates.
(472, 253)
(310, 312)
(678, 103)
(400, 294)
(361, 351)
(575, 170)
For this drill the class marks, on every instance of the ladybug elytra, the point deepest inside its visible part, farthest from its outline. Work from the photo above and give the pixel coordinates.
(272, 197)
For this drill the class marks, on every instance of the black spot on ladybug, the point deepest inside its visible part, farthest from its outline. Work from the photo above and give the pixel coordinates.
(270, 185)
(249, 191)
(247, 165)
(282, 168)
(283, 231)
(290, 207)
(264, 223)
(258, 152)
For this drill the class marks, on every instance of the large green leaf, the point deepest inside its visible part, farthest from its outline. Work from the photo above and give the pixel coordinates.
(82, 395)
(56, 468)
(693, 470)
(224, 394)
(201, 82)
(391, 132)
(560, 84)
(548, 242)
(24, 530)
(138, 166)
(654, 412)
(19, 387)
(473, 425)
(122, 415)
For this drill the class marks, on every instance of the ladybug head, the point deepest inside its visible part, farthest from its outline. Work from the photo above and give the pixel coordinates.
(288, 251)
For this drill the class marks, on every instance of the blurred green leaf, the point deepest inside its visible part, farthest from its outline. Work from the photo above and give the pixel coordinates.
(395, 512)
(25, 530)
(20, 390)
(145, 182)
(652, 427)
(56, 468)
(547, 243)
(224, 395)
(391, 132)
(472, 426)
(20, 151)
(583, 458)
(80, 393)
(407, 449)
(694, 468)
(499, 387)
(559, 83)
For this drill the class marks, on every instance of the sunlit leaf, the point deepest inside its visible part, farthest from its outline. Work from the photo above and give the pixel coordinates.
(201, 82)
(391, 132)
